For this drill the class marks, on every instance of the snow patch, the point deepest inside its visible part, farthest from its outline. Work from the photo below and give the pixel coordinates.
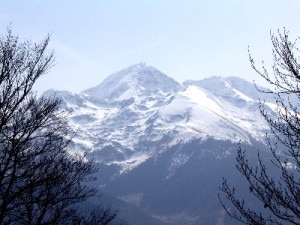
(131, 163)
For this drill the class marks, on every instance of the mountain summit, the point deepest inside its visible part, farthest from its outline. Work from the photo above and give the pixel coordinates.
(136, 80)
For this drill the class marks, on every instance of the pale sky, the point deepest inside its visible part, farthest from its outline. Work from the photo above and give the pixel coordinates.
(187, 39)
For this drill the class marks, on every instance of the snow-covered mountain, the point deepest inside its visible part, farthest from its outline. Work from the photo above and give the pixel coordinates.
(139, 111)
(139, 118)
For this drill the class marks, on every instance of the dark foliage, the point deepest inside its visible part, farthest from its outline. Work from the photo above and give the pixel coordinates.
(278, 195)
(40, 181)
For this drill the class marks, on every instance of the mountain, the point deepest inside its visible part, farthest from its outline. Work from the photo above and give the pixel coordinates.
(163, 146)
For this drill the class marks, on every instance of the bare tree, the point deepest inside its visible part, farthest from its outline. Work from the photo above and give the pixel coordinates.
(41, 182)
(279, 194)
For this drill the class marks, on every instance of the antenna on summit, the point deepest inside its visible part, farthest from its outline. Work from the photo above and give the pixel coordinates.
(142, 63)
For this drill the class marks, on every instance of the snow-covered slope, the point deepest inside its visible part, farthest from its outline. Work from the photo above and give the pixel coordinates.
(139, 112)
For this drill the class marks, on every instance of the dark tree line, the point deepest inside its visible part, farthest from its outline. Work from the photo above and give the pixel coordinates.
(40, 181)
(279, 195)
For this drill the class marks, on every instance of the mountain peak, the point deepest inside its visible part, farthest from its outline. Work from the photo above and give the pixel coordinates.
(133, 81)
(138, 66)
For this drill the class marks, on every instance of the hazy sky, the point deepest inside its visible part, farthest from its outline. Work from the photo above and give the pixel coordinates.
(187, 39)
